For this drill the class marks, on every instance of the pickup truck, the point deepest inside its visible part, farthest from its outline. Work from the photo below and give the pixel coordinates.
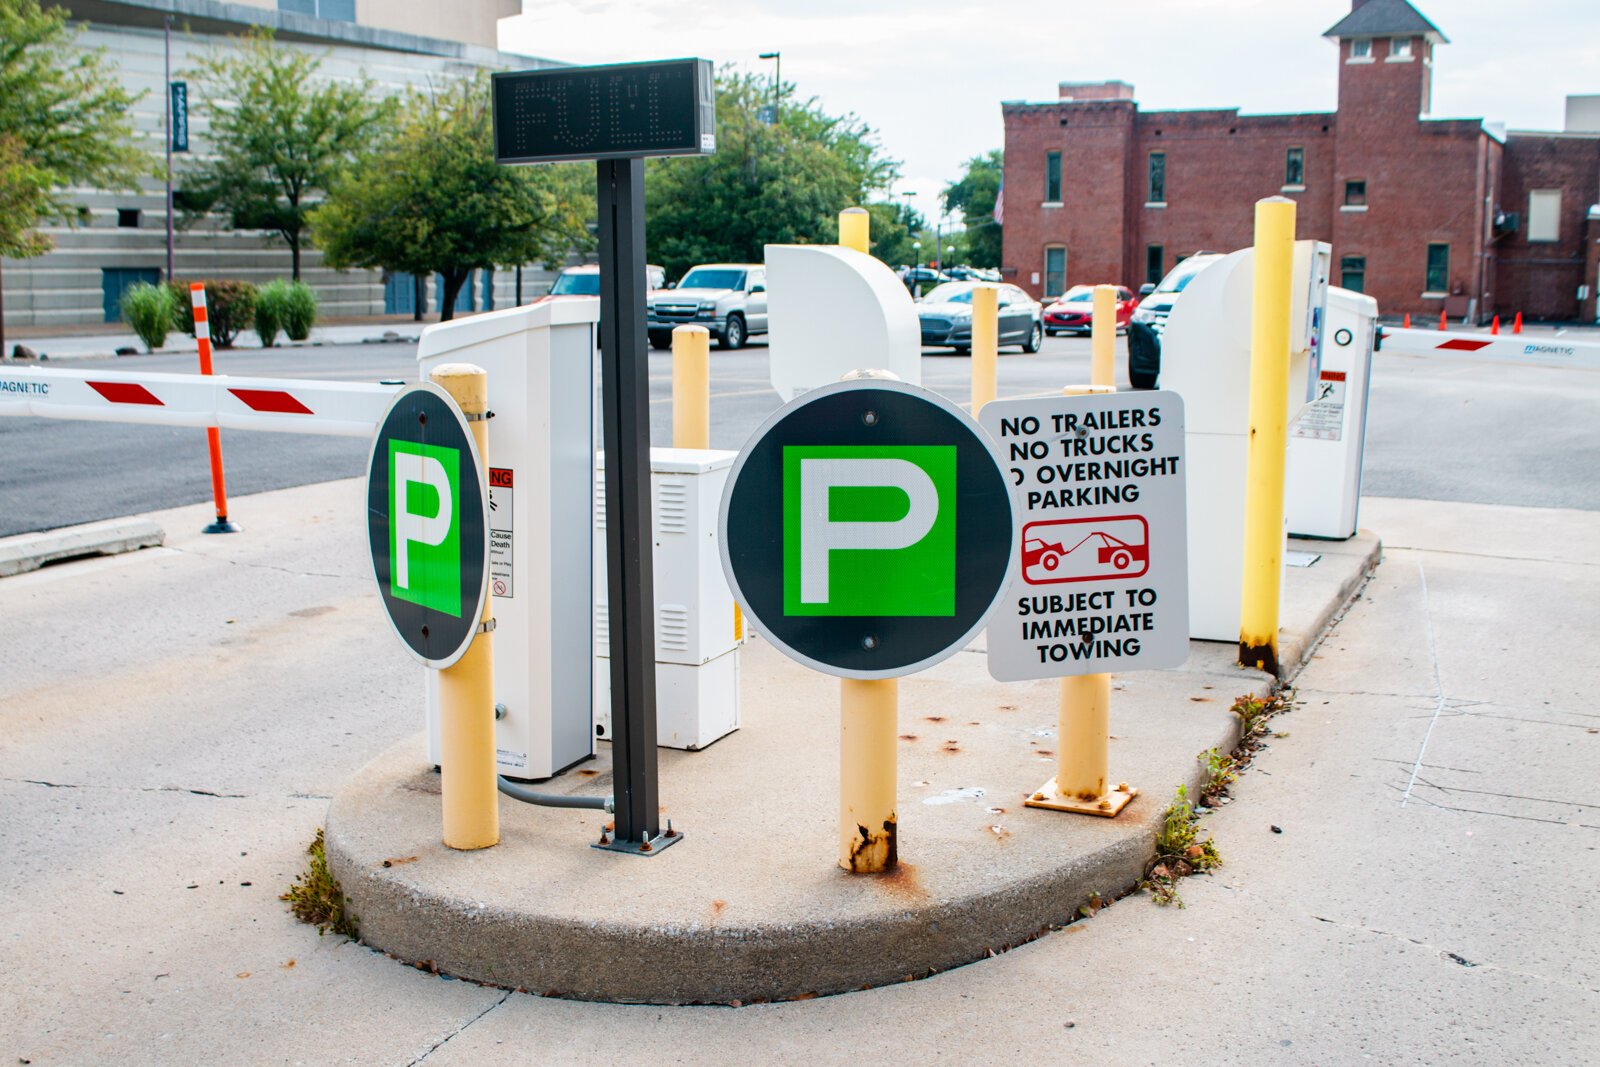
(729, 299)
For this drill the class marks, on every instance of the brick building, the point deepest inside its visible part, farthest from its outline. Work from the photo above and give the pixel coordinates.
(1424, 214)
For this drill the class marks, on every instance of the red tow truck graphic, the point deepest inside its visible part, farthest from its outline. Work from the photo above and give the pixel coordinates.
(1115, 546)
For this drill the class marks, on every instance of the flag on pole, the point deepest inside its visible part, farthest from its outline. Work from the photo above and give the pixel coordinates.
(1000, 204)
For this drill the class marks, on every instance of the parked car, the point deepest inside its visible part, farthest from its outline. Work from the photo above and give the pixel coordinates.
(914, 276)
(585, 281)
(946, 316)
(1154, 309)
(1073, 311)
(729, 299)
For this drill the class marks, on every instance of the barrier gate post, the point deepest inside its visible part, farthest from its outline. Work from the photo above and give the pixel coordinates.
(202, 340)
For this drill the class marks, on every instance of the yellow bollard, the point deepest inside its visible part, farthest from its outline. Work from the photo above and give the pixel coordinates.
(855, 229)
(985, 344)
(466, 689)
(691, 387)
(1103, 336)
(869, 718)
(1269, 434)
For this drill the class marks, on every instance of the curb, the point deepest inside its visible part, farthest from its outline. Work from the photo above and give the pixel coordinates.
(29, 552)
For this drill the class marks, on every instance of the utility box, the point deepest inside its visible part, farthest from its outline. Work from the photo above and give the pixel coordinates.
(1327, 442)
(540, 360)
(1205, 357)
(697, 625)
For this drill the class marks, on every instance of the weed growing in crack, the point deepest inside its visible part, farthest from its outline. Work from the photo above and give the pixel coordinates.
(1179, 853)
(316, 897)
(1221, 772)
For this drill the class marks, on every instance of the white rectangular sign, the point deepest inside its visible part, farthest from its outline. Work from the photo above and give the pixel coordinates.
(1102, 582)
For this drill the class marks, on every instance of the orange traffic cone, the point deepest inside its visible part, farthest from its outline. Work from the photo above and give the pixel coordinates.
(1408, 320)
(1443, 322)
(1516, 323)
(1494, 327)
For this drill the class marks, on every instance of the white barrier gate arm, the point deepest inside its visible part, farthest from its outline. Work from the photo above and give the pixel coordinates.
(279, 405)
(1503, 345)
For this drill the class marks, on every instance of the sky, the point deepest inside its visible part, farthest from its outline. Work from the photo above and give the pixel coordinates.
(929, 76)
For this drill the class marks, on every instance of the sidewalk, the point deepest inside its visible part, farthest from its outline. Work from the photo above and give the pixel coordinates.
(101, 345)
(173, 723)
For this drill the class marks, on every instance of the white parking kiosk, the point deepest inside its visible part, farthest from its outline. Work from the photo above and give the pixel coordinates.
(1326, 443)
(1205, 357)
(540, 360)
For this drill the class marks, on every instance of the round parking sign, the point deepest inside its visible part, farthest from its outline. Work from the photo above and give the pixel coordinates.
(866, 528)
(427, 524)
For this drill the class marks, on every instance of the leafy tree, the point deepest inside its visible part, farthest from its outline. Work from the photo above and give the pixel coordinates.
(64, 122)
(279, 135)
(780, 184)
(894, 227)
(430, 198)
(974, 196)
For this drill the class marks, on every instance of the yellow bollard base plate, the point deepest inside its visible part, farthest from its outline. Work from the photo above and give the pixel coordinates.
(1107, 807)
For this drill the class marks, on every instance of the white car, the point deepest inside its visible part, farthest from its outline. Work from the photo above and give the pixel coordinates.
(1154, 309)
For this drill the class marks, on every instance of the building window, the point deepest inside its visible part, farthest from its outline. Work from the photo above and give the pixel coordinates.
(1355, 194)
(1438, 268)
(1544, 215)
(1400, 48)
(1353, 273)
(1055, 271)
(128, 218)
(1361, 48)
(1157, 192)
(1294, 167)
(333, 10)
(1052, 177)
(1153, 255)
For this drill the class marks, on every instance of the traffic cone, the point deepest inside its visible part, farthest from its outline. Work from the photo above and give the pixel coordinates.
(1516, 323)
(1443, 322)
(1408, 320)
(1494, 327)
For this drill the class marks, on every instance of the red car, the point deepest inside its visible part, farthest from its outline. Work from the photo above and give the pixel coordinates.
(1036, 552)
(1073, 311)
(1120, 554)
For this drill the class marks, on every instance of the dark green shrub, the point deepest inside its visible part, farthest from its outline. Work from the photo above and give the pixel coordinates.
(270, 303)
(299, 311)
(149, 310)
(230, 307)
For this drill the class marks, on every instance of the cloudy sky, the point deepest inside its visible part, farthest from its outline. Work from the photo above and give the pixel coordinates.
(930, 75)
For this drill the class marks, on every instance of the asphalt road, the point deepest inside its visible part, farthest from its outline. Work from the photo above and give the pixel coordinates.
(1440, 428)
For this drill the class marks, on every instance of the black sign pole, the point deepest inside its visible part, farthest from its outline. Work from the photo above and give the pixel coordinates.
(625, 414)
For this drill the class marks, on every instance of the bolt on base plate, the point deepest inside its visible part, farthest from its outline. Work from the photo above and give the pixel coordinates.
(1107, 806)
(654, 847)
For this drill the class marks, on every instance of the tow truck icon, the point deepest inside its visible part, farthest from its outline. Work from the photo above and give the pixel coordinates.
(1113, 547)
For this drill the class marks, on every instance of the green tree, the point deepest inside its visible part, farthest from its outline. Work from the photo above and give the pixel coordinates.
(894, 227)
(783, 183)
(280, 137)
(974, 196)
(431, 199)
(64, 121)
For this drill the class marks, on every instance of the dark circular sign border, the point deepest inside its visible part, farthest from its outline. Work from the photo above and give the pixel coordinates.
(1342, 337)
(939, 638)
(396, 610)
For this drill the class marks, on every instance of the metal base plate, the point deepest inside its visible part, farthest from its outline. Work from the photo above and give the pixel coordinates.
(223, 526)
(1107, 806)
(655, 847)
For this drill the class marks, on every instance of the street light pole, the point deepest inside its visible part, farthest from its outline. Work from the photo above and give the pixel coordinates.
(166, 33)
(777, 82)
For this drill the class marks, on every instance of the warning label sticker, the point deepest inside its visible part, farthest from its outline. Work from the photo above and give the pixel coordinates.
(500, 530)
(1323, 418)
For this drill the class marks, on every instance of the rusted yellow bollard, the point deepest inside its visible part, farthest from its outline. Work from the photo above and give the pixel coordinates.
(470, 794)
(869, 714)
(1269, 434)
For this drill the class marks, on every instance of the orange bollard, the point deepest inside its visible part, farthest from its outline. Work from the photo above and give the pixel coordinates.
(1408, 320)
(1516, 323)
(1494, 327)
(219, 488)
(1443, 322)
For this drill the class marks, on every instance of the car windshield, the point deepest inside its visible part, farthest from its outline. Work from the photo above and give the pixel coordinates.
(712, 279)
(1081, 296)
(585, 284)
(1182, 275)
(949, 293)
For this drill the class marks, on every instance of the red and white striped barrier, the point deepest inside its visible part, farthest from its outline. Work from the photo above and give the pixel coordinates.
(1505, 346)
(279, 405)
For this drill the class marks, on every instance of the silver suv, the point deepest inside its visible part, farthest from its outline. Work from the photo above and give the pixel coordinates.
(729, 299)
(1154, 309)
